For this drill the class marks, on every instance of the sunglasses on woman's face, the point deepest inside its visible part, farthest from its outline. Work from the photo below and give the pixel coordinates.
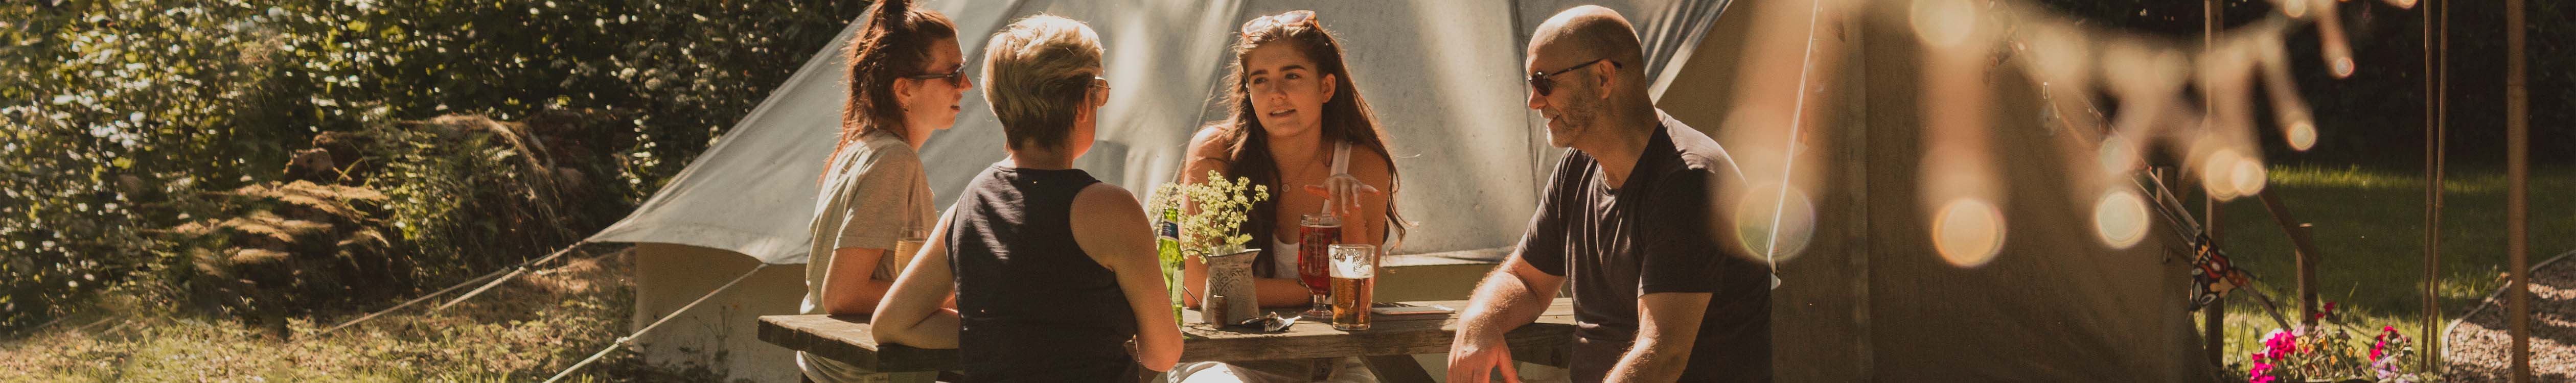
(954, 77)
(1539, 81)
(1103, 85)
(1306, 18)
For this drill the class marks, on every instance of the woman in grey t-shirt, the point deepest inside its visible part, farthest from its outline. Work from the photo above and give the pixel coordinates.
(907, 75)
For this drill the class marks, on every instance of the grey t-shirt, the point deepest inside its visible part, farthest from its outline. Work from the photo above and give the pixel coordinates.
(874, 190)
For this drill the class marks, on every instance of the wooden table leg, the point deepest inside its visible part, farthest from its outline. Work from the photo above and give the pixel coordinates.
(1397, 369)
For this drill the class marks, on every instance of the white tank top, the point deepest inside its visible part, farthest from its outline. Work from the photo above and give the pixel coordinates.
(1284, 264)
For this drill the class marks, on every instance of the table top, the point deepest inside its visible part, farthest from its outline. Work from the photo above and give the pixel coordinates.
(1547, 341)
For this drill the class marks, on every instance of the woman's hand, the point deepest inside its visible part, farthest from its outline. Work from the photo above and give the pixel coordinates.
(1341, 194)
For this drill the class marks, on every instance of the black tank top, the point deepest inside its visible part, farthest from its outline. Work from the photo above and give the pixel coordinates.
(1034, 306)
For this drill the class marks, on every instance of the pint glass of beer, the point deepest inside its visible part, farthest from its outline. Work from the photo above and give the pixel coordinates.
(907, 246)
(1354, 285)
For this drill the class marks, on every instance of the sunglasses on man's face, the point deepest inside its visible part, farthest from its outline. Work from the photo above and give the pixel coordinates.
(1539, 81)
(954, 77)
(1298, 17)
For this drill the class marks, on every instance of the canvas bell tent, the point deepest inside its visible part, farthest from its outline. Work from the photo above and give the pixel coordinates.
(1444, 78)
(1864, 301)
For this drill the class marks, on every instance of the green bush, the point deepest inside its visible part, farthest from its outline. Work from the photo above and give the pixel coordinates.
(125, 117)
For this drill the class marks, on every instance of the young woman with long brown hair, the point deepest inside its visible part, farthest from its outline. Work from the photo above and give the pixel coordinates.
(1296, 118)
(1298, 126)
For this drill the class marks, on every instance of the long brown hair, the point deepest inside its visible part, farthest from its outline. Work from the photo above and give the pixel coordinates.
(896, 43)
(1347, 118)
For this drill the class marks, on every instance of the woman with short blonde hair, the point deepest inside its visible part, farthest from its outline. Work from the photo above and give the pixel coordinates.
(1029, 307)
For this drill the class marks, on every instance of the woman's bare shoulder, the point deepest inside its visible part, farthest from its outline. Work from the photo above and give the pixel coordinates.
(1214, 141)
(1369, 165)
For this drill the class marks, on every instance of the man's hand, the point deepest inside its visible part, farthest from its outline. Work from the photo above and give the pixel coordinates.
(1473, 360)
(1508, 298)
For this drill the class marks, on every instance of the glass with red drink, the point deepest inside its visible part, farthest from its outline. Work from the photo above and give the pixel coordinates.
(1316, 235)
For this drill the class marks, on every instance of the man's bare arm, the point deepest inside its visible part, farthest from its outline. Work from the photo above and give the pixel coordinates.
(1667, 327)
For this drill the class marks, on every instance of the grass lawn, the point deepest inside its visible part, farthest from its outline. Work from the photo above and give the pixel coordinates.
(522, 332)
(2369, 225)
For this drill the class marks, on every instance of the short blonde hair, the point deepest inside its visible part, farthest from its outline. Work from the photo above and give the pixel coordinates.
(1037, 74)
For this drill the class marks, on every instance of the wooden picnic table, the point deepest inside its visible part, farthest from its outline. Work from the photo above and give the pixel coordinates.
(1388, 346)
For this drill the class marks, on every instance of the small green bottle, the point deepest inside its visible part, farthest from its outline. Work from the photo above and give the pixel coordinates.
(1167, 243)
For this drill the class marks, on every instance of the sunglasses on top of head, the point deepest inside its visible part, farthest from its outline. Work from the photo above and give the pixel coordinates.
(1299, 17)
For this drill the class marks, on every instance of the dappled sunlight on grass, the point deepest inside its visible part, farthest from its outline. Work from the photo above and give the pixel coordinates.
(2454, 184)
(525, 331)
(2349, 177)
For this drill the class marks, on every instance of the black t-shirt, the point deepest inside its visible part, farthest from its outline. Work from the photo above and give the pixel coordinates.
(1654, 233)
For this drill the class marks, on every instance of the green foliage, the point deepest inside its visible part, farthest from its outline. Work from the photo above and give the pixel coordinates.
(123, 116)
(1213, 211)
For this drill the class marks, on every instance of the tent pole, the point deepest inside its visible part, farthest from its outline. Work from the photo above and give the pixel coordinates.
(2436, 134)
(2517, 158)
(2307, 254)
(621, 341)
(514, 273)
(2213, 318)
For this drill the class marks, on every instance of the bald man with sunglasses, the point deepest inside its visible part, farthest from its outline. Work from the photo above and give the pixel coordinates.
(1631, 218)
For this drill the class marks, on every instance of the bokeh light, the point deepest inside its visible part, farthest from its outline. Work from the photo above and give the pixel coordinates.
(1796, 215)
(2118, 155)
(2294, 8)
(1968, 232)
(2120, 218)
(2302, 135)
(1943, 23)
(2248, 177)
(2218, 172)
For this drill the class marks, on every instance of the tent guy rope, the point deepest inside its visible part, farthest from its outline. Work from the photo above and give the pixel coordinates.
(621, 341)
(504, 275)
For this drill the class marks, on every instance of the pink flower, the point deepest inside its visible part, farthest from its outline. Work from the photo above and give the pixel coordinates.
(2258, 373)
(2280, 344)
